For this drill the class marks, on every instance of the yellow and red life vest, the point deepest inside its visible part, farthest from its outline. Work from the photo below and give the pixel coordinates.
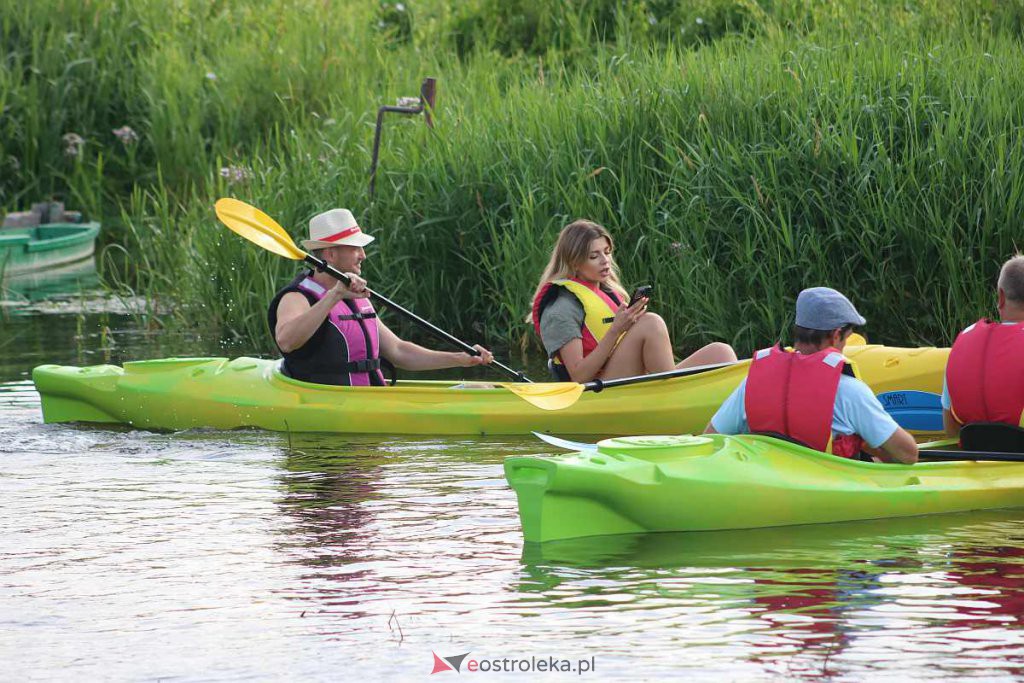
(985, 374)
(599, 308)
(794, 394)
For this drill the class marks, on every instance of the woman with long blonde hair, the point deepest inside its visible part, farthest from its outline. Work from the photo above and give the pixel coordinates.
(581, 313)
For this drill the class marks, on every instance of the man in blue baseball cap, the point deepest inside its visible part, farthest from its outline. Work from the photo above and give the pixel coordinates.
(812, 395)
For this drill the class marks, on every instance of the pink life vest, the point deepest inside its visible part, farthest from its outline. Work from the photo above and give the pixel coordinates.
(985, 373)
(794, 394)
(356, 321)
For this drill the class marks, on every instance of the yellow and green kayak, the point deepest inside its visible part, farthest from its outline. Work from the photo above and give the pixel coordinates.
(714, 482)
(182, 393)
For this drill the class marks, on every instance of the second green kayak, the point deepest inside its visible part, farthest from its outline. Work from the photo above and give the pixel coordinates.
(715, 482)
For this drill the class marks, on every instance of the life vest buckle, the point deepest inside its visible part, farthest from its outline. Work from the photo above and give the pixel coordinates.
(365, 365)
(357, 316)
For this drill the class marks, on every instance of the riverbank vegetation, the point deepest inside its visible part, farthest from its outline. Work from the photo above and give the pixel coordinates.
(738, 150)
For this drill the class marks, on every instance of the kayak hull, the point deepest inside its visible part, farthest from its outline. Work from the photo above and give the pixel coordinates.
(184, 393)
(716, 483)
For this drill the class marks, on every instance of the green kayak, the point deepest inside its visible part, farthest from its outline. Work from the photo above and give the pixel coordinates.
(715, 482)
(182, 393)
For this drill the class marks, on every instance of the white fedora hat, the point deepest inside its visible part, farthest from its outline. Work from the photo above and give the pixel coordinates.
(333, 228)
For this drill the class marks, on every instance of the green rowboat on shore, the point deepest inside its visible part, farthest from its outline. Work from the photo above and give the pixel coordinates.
(24, 250)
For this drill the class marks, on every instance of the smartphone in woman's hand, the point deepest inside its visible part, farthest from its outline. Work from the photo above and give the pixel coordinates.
(641, 292)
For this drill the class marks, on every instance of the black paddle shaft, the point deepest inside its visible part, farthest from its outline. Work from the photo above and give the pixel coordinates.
(970, 455)
(325, 267)
(597, 385)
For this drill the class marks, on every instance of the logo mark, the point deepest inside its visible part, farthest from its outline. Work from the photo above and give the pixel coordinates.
(447, 663)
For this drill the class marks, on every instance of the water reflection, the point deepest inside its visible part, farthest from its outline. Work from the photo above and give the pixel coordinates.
(807, 599)
(44, 283)
(89, 329)
(370, 520)
(327, 484)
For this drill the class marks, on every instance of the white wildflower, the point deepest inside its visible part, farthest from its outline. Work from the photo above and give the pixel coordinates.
(235, 174)
(73, 144)
(126, 135)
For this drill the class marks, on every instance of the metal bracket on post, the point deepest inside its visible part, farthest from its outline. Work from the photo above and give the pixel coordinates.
(409, 106)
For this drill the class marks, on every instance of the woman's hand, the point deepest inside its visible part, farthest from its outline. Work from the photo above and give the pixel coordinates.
(484, 358)
(625, 316)
(356, 288)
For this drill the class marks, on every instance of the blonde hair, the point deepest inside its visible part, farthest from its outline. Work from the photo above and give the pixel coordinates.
(572, 250)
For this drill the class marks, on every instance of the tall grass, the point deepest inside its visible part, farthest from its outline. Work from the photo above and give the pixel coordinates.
(874, 147)
(739, 174)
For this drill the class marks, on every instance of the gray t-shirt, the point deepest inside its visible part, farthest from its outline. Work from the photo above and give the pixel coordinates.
(561, 322)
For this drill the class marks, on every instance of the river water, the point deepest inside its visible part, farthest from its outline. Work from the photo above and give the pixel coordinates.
(205, 555)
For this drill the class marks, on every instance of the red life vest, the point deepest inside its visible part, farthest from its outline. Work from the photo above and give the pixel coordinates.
(985, 373)
(794, 394)
(599, 308)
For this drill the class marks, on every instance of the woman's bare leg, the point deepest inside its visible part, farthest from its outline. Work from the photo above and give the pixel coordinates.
(715, 352)
(644, 349)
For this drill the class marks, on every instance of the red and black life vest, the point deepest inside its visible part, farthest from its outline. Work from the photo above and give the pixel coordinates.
(985, 373)
(599, 306)
(344, 350)
(794, 394)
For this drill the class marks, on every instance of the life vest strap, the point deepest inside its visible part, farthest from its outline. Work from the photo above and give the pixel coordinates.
(782, 437)
(357, 316)
(365, 365)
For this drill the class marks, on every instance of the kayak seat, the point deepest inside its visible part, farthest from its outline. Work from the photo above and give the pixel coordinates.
(914, 410)
(389, 369)
(558, 371)
(992, 436)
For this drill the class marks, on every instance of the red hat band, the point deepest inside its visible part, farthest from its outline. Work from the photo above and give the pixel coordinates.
(348, 232)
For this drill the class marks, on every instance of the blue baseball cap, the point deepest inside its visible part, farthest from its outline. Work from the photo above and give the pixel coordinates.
(823, 308)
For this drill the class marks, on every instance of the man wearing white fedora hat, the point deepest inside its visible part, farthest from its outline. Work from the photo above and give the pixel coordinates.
(328, 332)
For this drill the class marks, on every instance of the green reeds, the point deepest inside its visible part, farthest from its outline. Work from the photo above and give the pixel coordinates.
(738, 150)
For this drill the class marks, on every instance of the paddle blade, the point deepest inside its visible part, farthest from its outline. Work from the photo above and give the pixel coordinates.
(257, 227)
(565, 444)
(547, 395)
(856, 339)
